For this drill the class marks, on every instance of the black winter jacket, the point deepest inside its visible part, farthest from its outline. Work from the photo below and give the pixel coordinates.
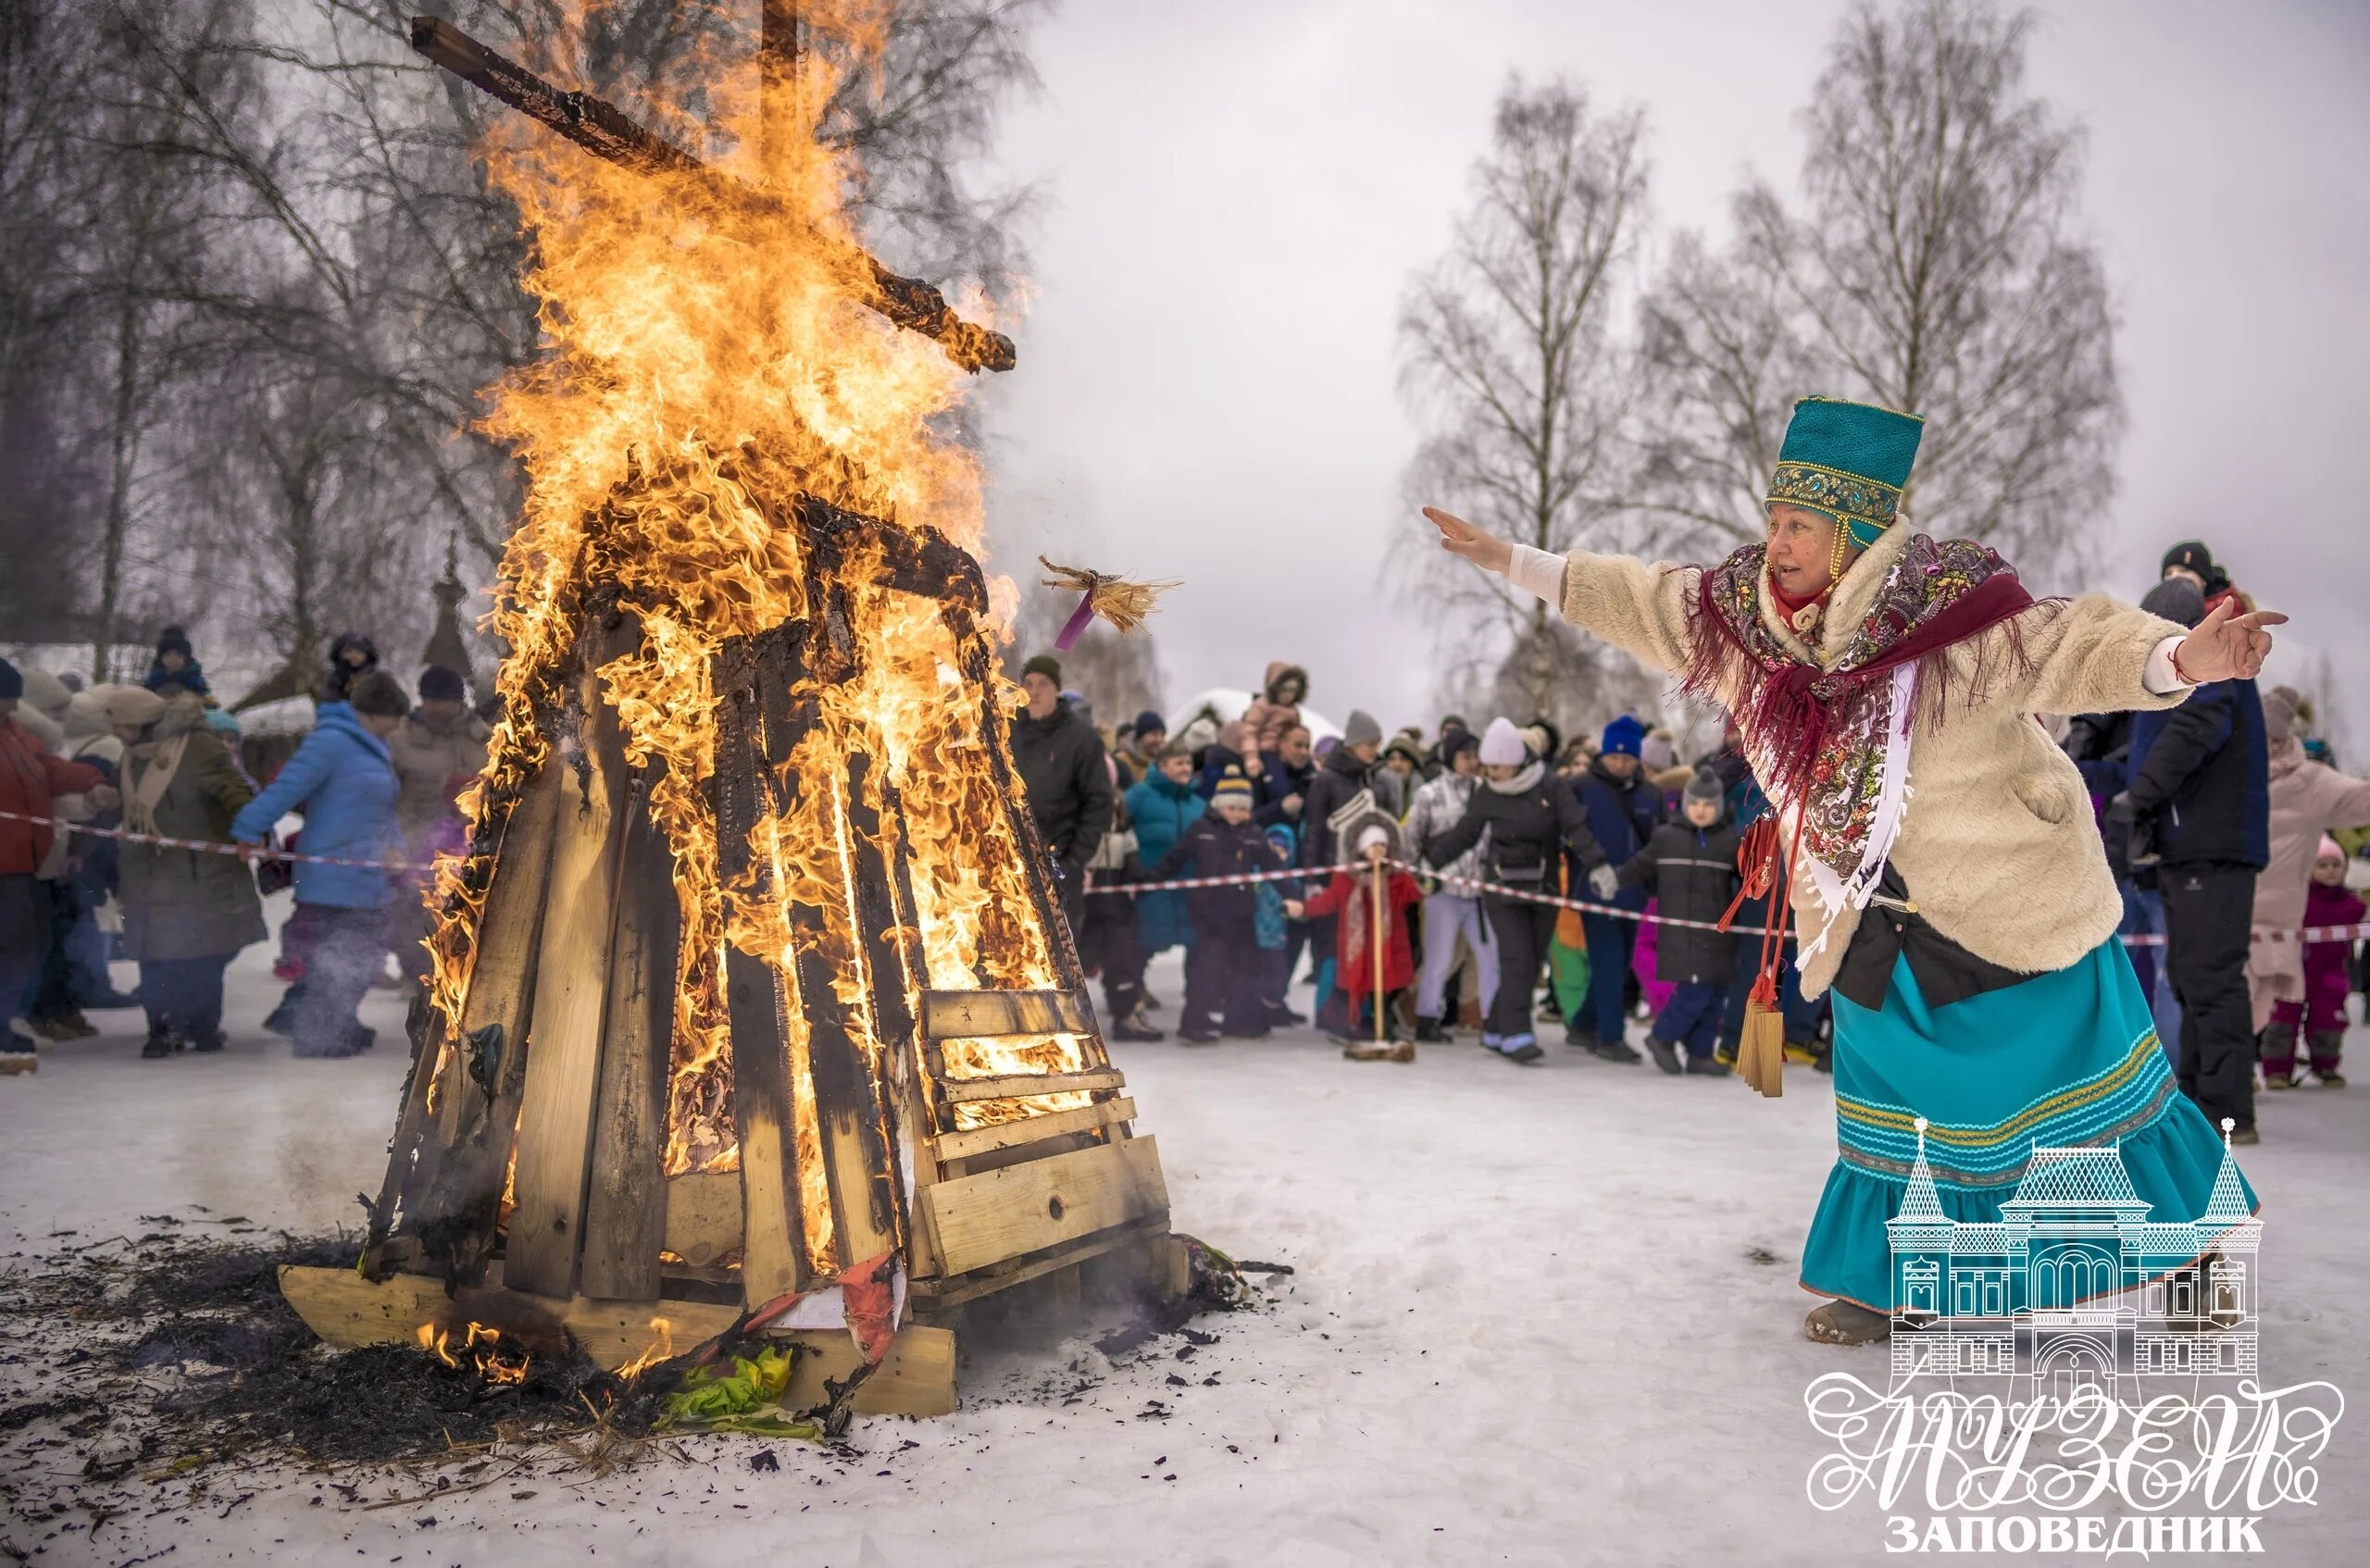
(1529, 832)
(1284, 781)
(1339, 778)
(1693, 873)
(1213, 847)
(2203, 771)
(1060, 761)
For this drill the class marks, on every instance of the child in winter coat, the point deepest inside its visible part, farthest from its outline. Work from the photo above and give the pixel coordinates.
(1271, 926)
(1222, 967)
(1277, 708)
(1690, 865)
(2327, 981)
(1351, 894)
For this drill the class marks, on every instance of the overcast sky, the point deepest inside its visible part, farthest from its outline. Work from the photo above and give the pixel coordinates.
(1236, 193)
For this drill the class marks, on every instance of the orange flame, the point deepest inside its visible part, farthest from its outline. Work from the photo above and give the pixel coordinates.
(660, 1348)
(704, 365)
(482, 1343)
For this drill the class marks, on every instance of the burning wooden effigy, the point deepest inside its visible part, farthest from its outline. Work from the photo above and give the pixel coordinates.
(752, 1003)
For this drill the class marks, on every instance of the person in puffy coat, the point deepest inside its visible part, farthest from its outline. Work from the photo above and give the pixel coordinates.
(2307, 798)
(1623, 808)
(1222, 968)
(343, 778)
(1533, 824)
(1162, 807)
(186, 913)
(352, 656)
(1690, 867)
(32, 778)
(1277, 708)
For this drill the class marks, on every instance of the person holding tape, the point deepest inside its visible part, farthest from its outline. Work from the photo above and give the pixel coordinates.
(1970, 938)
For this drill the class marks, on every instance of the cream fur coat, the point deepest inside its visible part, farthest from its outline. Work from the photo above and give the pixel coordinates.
(1997, 845)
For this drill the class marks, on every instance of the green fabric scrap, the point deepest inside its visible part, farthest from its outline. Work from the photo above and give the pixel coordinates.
(747, 1398)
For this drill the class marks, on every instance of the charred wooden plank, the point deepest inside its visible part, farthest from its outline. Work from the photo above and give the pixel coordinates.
(753, 679)
(847, 1087)
(607, 131)
(556, 1110)
(964, 1145)
(455, 1219)
(890, 949)
(919, 561)
(625, 1217)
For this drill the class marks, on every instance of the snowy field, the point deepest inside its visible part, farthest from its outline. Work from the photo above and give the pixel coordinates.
(1542, 1316)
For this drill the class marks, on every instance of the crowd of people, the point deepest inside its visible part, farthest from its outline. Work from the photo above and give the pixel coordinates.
(2225, 821)
(375, 784)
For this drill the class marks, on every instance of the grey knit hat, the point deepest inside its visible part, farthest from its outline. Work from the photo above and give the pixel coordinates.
(1705, 786)
(1361, 729)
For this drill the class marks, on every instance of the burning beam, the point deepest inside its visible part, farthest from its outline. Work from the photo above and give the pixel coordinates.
(605, 131)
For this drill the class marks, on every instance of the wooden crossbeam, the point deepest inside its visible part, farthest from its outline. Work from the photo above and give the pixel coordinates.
(978, 1220)
(1024, 1085)
(985, 1014)
(607, 131)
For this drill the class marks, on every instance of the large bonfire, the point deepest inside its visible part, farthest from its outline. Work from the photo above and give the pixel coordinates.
(710, 375)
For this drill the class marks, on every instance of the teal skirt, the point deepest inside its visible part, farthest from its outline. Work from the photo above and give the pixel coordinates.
(2064, 1059)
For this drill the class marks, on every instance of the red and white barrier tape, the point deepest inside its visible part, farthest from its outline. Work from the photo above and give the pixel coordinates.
(209, 846)
(1527, 895)
(1531, 895)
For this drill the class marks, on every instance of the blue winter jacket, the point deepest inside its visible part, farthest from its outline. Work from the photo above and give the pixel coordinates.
(343, 781)
(1622, 818)
(1162, 811)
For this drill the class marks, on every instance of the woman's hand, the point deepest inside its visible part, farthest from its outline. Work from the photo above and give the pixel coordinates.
(1461, 538)
(2227, 645)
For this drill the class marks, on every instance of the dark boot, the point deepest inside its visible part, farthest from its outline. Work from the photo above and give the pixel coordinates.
(2275, 1049)
(2328, 1046)
(1664, 1057)
(1846, 1323)
(1428, 1031)
(161, 1041)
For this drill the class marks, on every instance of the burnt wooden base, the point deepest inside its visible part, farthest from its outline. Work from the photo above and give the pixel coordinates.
(346, 1310)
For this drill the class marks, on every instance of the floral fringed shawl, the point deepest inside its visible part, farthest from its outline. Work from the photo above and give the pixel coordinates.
(1836, 741)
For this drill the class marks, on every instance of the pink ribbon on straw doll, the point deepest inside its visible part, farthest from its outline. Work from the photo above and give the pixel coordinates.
(1123, 603)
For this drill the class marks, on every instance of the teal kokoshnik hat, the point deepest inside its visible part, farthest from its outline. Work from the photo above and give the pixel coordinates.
(1849, 460)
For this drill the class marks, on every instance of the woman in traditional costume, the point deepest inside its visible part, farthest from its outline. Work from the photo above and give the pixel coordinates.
(1946, 876)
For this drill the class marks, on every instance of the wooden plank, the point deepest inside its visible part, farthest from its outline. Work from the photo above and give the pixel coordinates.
(556, 1116)
(457, 1218)
(704, 1215)
(991, 1014)
(1021, 1086)
(346, 1309)
(917, 1378)
(949, 1146)
(942, 1296)
(983, 1219)
(625, 1214)
(865, 1201)
(753, 678)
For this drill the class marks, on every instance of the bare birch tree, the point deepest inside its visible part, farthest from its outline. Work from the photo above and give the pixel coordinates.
(1935, 265)
(1507, 353)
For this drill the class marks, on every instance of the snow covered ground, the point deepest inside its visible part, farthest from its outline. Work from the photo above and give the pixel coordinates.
(1542, 1316)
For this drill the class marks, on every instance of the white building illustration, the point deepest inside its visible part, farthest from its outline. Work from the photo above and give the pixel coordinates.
(2074, 1286)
